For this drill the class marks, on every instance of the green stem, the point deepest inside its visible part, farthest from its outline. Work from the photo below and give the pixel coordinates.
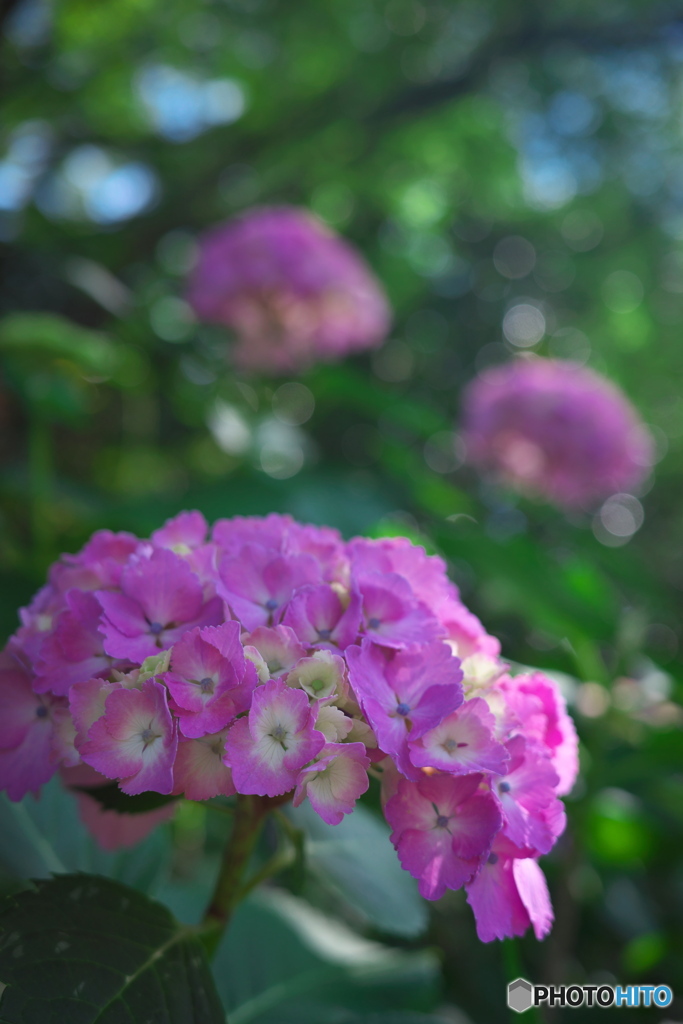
(277, 863)
(221, 808)
(250, 813)
(514, 969)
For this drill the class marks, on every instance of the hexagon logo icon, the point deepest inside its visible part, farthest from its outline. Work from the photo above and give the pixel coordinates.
(520, 995)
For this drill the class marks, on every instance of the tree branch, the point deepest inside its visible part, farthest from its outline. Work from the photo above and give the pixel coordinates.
(527, 40)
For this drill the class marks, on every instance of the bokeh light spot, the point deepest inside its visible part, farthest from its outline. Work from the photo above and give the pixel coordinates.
(524, 325)
(514, 257)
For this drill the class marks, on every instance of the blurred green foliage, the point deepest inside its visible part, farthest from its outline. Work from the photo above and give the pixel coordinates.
(480, 155)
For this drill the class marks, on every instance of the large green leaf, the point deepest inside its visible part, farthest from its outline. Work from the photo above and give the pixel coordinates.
(42, 836)
(356, 860)
(43, 335)
(318, 1013)
(398, 1018)
(54, 362)
(282, 960)
(86, 950)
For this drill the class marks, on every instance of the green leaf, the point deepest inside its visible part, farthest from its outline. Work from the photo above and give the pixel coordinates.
(39, 837)
(398, 1018)
(358, 863)
(618, 833)
(644, 952)
(43, 334)
(84, 949)
(282, 960)
(318, 1013)
(53, 363)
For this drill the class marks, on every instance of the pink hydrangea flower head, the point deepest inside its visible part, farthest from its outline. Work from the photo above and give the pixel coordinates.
(274, 659)
(64, 751)
(267, 750)
(292, 291)
(557, 430)
(258, 661)
(443, 829)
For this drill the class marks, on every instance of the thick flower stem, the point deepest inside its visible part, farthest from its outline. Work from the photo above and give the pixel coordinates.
(250, 815)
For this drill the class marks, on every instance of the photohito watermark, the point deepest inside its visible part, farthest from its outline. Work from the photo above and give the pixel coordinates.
(522, 995)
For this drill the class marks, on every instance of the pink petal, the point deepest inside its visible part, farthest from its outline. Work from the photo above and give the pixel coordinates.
(199, 771)
(114, 831)
(429, 857)
(117, 745)
(278, 646)
(533, 892)
(87, 704)
(211, 718)
(319, 619)
(474, 826)
(263, 762)
(18, 703)
(391, 613)
(164, 586)
(185, 531)
(498, 910)
(463, 742)
(30, 765)
(335, 781)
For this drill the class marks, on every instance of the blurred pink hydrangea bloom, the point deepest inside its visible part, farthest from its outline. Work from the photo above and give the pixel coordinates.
(554, 429)
(271, 658)
(292, 291)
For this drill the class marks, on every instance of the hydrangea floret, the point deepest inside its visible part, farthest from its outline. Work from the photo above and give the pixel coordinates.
(276, 661)
(292, 291)
(557, 430)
